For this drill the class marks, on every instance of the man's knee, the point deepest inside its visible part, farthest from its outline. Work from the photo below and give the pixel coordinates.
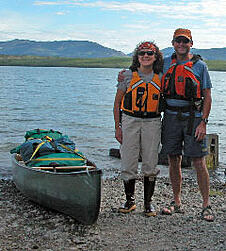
(199, 162)
(174, 159)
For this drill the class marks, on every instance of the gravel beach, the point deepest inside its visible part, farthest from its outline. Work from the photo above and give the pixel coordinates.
(25, 225)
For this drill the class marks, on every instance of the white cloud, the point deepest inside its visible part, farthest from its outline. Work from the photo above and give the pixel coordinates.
(60, 13)
(48, 3)
(186, 11)
(211, 8)
(14, 25)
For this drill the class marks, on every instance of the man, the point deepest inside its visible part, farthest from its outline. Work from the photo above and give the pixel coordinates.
(186, 87)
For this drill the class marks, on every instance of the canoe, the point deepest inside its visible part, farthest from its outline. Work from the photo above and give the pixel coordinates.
(74, 191)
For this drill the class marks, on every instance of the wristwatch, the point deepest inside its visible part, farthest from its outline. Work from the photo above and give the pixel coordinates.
(205, 120)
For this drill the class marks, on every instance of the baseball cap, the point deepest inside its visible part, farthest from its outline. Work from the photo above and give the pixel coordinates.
(182, 33)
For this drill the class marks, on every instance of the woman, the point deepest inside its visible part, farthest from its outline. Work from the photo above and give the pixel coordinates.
(138, 124)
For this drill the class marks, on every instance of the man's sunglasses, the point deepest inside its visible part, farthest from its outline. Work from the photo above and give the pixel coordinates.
(184, 40)
(149, 53)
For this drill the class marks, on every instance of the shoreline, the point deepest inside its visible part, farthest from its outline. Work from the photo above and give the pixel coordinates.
(210, 69)
(25, 225)
(103, 62)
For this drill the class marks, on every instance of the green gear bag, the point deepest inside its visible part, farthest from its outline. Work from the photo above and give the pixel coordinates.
(41, 133)
(38, 134)
(58, 159)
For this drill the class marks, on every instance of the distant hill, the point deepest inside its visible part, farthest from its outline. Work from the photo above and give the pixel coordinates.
(73, 49)
(207, 54)
(85, 49)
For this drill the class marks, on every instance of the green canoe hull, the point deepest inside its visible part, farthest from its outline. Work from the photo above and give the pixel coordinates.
(74, 193)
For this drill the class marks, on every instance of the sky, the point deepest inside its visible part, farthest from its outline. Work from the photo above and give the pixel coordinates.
(118, 24)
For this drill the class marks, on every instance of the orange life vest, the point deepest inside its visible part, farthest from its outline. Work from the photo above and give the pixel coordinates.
(179, 82)
(142, 99)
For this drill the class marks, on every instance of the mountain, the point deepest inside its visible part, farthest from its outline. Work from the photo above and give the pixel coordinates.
(207, 54)
(86, 49)
(74, 49)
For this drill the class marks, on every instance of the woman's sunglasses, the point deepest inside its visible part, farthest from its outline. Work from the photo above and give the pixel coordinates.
(149, 53)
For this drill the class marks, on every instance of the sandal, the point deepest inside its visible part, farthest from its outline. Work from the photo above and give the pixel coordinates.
(207, 211)
(172, 208)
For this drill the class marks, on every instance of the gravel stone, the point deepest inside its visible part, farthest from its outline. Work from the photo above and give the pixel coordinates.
(26, 226)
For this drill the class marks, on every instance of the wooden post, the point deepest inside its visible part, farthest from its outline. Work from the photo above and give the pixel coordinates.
(212, 159)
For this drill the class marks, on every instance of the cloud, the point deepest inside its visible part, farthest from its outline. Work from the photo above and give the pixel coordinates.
(14, 25)
(60, 13)
(203, 11)
(48, 3)
(185, 8)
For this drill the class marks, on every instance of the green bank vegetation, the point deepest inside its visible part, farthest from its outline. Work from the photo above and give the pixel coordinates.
(111, 62)
(216, 65)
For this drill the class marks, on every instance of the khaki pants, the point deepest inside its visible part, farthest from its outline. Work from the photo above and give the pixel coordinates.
(140, 136)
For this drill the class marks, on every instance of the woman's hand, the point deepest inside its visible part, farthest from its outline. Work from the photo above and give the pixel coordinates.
(118, 134)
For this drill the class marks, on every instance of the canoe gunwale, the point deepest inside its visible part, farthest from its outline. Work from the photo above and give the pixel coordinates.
(42, 169)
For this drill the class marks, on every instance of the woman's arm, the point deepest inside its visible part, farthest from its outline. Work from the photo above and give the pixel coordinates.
(117, 104)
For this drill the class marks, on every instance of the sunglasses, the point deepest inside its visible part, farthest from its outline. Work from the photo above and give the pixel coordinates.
(184, 40)
(149, 53)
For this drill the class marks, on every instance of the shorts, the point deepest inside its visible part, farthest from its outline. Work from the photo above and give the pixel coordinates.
(175, 140)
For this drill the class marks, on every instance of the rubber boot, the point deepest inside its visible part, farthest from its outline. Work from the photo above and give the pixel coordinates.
(130, 199)
(149, 187)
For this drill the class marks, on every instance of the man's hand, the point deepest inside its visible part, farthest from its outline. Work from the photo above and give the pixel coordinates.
(200, 132)
(121, 77)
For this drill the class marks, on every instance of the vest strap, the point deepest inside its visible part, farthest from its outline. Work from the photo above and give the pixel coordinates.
(142, 115)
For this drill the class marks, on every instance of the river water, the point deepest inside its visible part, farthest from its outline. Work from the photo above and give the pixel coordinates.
(78, 102)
